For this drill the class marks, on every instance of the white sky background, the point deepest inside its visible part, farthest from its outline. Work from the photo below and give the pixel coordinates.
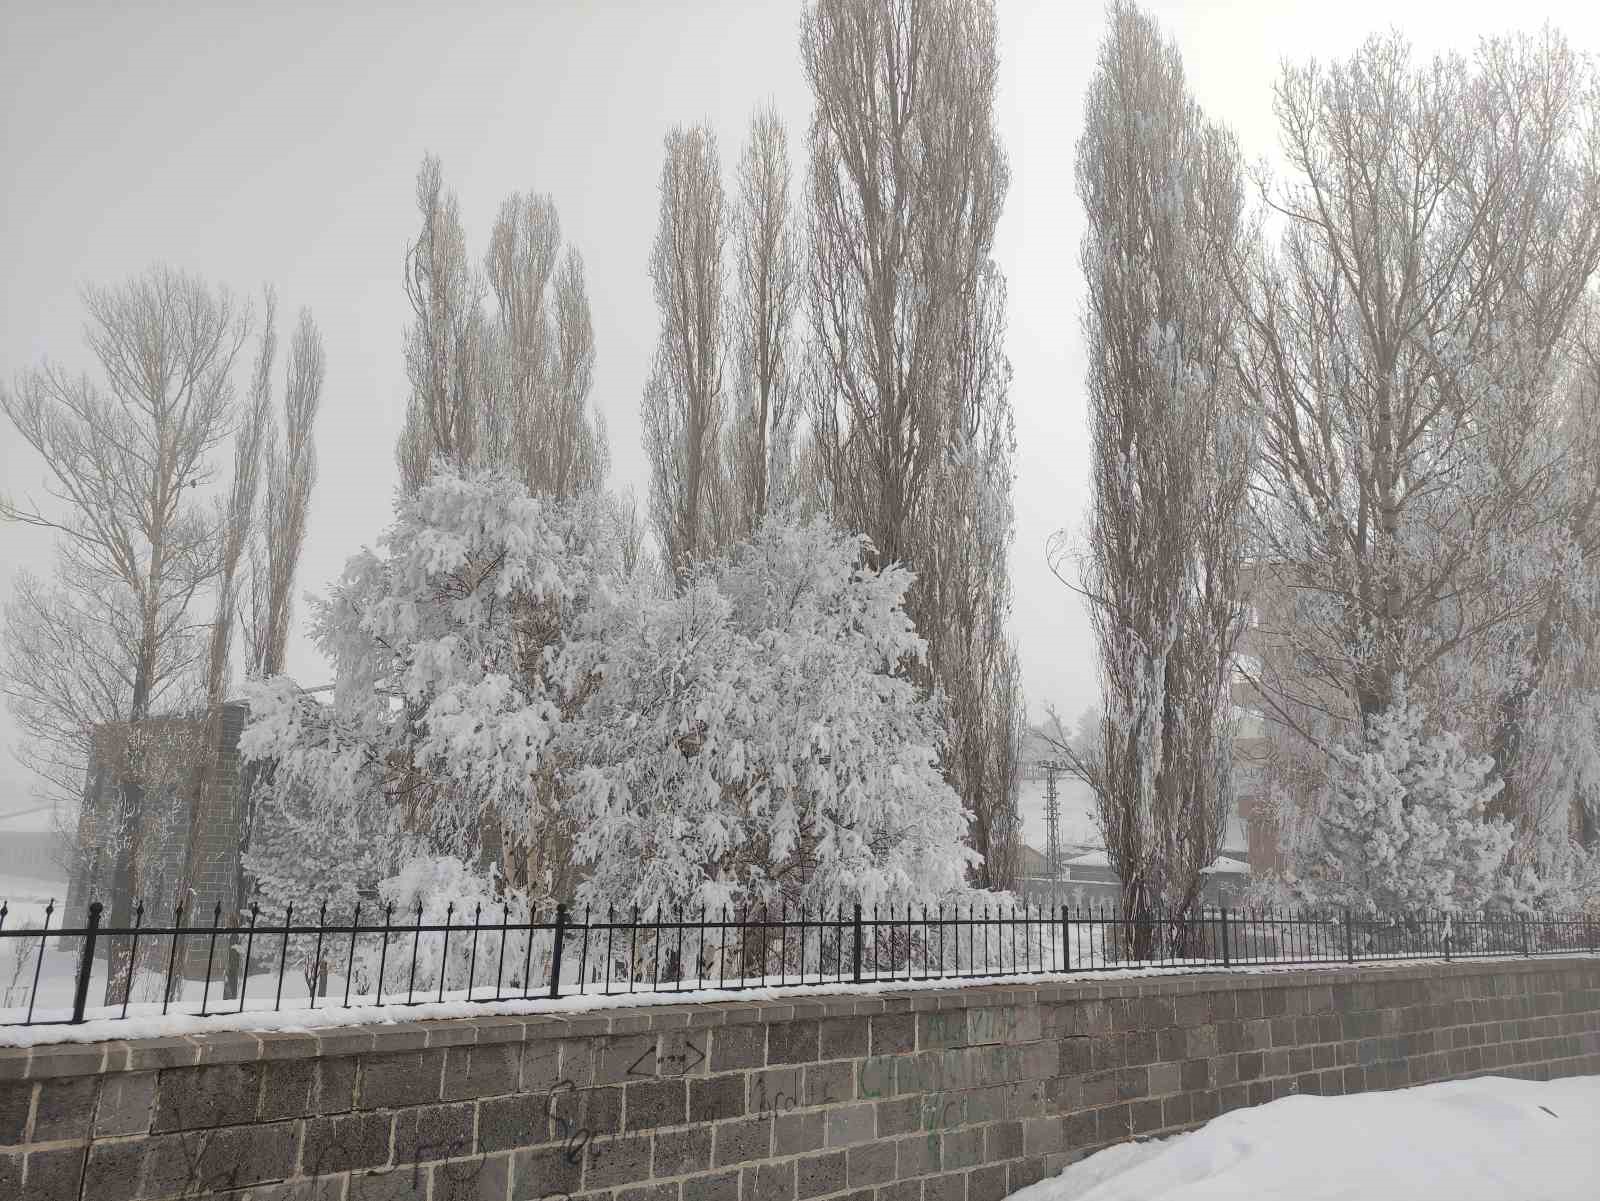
(279, 144)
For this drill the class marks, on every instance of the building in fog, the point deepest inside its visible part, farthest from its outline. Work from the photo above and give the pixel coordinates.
(187, 841)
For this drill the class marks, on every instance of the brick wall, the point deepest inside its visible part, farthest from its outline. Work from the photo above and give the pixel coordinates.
(167, 823)
(946, 1095)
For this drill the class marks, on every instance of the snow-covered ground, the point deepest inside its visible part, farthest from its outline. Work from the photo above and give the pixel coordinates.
(1488, 1139)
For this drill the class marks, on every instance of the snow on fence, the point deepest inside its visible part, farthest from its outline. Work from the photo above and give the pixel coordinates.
(376, 957)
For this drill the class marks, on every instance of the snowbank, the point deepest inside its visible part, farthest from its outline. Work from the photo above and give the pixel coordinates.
(1488, 1139)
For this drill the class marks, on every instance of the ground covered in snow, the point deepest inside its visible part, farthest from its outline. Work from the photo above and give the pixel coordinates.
(1488, 1139)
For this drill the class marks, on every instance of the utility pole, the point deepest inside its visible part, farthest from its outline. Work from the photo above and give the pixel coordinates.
(1052, 825)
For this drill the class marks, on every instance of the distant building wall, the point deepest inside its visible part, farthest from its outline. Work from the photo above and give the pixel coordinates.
(173, 826)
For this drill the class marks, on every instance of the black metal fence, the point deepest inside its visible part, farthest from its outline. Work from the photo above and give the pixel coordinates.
(275, 962)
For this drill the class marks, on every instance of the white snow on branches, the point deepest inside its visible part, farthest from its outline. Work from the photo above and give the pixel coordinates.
(504, 687)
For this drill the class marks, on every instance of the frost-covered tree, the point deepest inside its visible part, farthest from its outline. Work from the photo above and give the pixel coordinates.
(443, 706)
(754, 739)
(683, 405)
(291, 474)
(124, 456)
(767, 279)
(509, 695)
(508, 388)
(1421, 510)
(907, 382)
(1170, 454)
(1405, 827)
(540, 352)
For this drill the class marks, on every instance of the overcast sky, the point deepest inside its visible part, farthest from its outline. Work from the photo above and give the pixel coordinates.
(278, 144)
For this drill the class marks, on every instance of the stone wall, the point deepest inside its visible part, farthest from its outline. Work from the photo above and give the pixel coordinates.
(931, 1095)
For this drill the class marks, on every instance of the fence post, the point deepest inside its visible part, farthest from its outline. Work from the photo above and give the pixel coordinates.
(80, 991)
(1525, 953)
(1066, 941)
(555, 953)
(858, 942)
(1227, 955)
(1349, 938)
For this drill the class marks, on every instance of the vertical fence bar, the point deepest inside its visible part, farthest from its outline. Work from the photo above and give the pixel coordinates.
(677, 982)
(211, 948)
(1349, 938)
(133, 955)
(858, 942)
(611, 928)
(1066, 941)
(527, 960)
(383, 951)
(283, 958)
(505, 935)
(700, 956)
(555, 951)
(472, 958)
(633, 948)
(316, 983)
(249, 944)
(350, 959)
(38, 963)
(80, 990)
(444, 948)
(1525, 951)
(655, 954)
(416, 942)
(583, 955)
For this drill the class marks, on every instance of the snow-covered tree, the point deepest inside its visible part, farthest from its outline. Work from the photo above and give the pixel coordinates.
(682, 409)
(907, 380)
(1171, 444)
(768, 274)
(1405, 826)
(508, 388)
(1413, 343)
(509, 695)
(442, 707)
(755, 739)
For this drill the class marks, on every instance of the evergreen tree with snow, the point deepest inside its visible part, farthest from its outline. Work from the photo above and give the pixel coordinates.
(1404, 827)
